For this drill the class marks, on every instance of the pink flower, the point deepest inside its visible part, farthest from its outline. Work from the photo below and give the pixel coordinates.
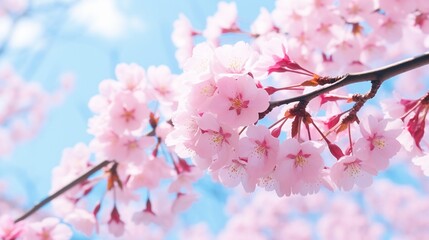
(349, 171)
(115, 225)
(145, 216)
(224, 20)
(149, 173)
(263, 24)
(163, 84)
(82, 221)
(132, 149)
(215, 143)
(236, 59)
(236, 173)
(299, 165)
(8, 229)
(378, 144)
(127, 112)
(182, 38)
(131, 76)
(239, 101)
(48, 228)
(259, 150)
(183, 201)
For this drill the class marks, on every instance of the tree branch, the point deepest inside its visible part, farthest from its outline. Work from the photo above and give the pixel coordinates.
(379, 74)
(63, 190)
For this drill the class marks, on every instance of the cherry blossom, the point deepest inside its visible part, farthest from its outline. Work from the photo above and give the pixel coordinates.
(239, 101)
(350, 171)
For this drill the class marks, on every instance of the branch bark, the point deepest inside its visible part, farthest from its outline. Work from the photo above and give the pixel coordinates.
(379, 74)
(63, 190)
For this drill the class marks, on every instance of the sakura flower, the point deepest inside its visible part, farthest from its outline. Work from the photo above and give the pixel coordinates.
(187, 175)
(129, 148)
(82, 221)
(149, 174)
(183, 201)
(131, 76)
(127, 112)
(349, 171)
(259, 149)
(163, 86)
(238, 101)
(298, 165)
(378, 144)
(263, 24)
(8, 229)
(146, 215)
(215, 143)
(224, 20)
(200, 62)
(182, 38)
(234, 59)
(48, 228)
(236, 173)
(355, 11)
(115, 225)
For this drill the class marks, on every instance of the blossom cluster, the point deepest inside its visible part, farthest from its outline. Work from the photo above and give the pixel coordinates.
(324, 216)
(225, 122)
(129, 128)
(228, 113)
(24, 106)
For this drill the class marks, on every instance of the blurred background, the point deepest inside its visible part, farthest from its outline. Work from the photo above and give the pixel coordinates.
(50, 42)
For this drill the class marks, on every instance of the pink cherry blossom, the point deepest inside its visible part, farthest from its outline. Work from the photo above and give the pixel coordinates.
(259, 150)
(131, 76)
(82, 221)
(238, 101)
(299, 164)
(48, 228)
(8, 229)
(115, 225)
(216, 143)
(378, 144)
(183, 201)
(350, 170)
(234, 59)
(127, 112)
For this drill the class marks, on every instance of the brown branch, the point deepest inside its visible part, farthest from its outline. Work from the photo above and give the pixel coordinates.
(63, 190)
(379, 74)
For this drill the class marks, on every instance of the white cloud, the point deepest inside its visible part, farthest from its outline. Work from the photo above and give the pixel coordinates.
(26, 33)
(101, 17)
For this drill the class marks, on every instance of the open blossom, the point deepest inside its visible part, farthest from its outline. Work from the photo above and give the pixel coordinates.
(130, 76)
(115, 225)
(82, 220)
(259, 149)
(378, 143)
(216, 143)
(236, 59)
(8, 229)
(225, 20)
(48, 228)
(238, 101)
(236, 173)
(350, 170)
(299, 164)
(127, 112)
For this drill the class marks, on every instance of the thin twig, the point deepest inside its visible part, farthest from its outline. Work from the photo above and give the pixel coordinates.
(379, 74)
(63, 190)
